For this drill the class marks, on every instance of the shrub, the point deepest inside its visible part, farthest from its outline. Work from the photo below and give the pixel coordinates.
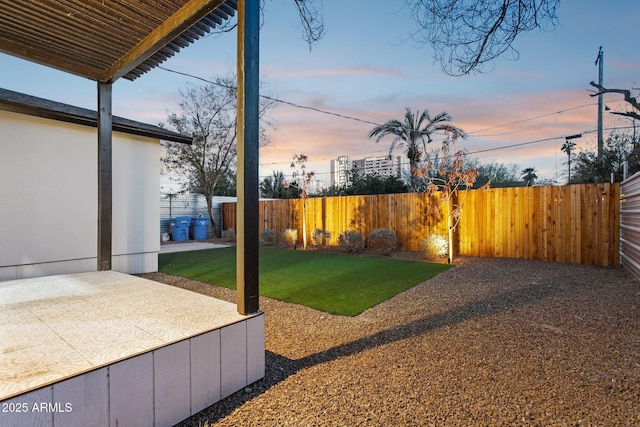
(383, 239)
(435, 247)
(319, 237)
(351, 241)
(268, 236)
(290, 237)
(229, 235)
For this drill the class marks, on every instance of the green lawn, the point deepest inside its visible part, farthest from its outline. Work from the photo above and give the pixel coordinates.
(335, 283)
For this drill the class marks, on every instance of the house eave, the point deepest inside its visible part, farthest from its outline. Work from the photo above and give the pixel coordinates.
(38, 107)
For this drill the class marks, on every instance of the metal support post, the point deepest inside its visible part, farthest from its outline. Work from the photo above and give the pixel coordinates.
(105, 169)
(247, 249)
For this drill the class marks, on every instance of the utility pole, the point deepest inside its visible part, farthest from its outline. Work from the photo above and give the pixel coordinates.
(600, 63)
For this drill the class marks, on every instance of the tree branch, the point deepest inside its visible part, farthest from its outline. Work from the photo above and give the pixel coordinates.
(630, 114)
(467, 34)
(627, 96)
(311, 19)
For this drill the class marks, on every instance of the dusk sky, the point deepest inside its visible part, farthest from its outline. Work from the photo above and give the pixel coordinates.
(367, 66)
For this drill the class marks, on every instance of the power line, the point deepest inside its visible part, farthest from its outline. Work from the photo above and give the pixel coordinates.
(357, 119)
(347, 117)
(343, 116)
(293, 104)
(531, 118)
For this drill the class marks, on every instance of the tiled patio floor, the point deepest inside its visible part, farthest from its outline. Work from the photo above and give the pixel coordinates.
(57, 327)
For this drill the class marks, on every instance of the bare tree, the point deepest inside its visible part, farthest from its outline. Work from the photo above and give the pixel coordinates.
(447, 177)
(310, 19)
(301, 179)
(208, 113)
(467, 34)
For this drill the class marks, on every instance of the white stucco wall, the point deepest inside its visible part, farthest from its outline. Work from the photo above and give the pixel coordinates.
(136, 206)
(48, 199)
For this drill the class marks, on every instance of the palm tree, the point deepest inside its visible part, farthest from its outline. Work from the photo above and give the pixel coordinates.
(529, 175)
(415, 131)
(567, 147)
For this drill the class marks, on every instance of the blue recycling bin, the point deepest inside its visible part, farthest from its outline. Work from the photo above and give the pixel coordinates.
(180, 228)
(199, 227)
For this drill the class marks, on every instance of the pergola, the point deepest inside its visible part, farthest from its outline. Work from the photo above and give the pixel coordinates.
(105, 41)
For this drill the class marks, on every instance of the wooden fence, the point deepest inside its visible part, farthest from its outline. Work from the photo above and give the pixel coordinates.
(574, 223)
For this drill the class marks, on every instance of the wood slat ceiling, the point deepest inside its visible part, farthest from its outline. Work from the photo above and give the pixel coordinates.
(104, 40)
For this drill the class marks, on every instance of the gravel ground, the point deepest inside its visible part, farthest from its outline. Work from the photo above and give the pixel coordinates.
(489, 342)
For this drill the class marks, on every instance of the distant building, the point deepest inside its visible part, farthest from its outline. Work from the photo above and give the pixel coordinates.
(381, 165)
(340, 168)
(384, 166)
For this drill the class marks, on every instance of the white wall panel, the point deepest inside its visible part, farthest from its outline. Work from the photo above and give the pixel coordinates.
(48, 194)
(131, 392)
(136, 207)
(205, 370)
(82, 400)
(233, 358)
(26, 410)
(48, 188)
(255, 348)
(172, 376)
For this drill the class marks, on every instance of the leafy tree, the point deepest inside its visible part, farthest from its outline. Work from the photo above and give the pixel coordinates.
(495, 174)
(529, 175)
(492, 174)
(274, 187)
(227, 185)
(375, 184)
(360, 184)
(415, 131)
(208, 114)
(618, 149)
